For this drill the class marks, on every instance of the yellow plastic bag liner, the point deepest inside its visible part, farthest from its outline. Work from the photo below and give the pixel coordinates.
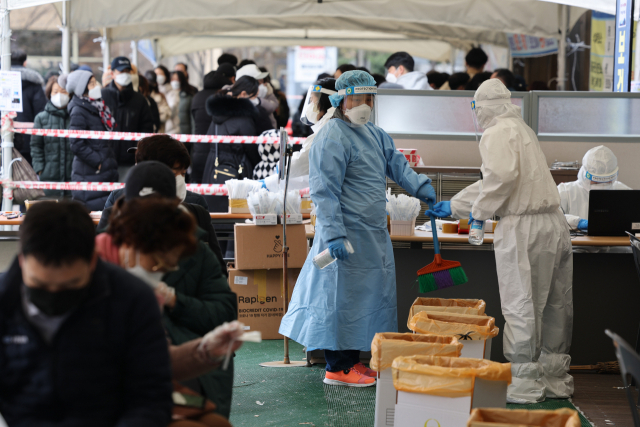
(462, 326)
(386, 346)
(462, 306)
(445, 376)
(494, 417)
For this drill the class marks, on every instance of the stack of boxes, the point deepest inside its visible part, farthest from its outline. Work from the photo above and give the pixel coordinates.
(257, 276)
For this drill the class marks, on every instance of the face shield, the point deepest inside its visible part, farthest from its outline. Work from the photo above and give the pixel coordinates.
(311, 111)
(600, 182)
(358, 103)
(478, 108)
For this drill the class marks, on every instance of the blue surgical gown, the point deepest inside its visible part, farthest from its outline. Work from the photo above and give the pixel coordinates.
(344, 305)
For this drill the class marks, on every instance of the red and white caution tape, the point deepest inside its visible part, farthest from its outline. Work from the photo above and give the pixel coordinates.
(204, 189)
(136, 136)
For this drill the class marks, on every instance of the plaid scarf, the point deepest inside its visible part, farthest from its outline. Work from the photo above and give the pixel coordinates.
(105, 113)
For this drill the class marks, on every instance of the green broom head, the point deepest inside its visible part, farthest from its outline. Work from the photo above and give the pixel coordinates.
(441, 274)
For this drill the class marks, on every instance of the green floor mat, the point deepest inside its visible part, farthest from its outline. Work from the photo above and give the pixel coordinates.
(550, 405)
(288, 397)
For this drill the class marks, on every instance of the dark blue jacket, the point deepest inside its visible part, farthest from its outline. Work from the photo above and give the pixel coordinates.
(108, 364)
(90, 153)
(33, 102)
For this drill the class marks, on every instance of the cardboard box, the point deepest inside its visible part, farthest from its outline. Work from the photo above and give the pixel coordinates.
(385, 399)
(259, 247)
(420, 410)
(476, 349)
(463, 306)
(260, 302)
(292, 219)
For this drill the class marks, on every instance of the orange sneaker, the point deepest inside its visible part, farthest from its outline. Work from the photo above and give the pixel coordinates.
(365, 371)
(348, 377)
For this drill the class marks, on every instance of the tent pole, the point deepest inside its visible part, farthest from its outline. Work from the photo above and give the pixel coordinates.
(104, 45)
(562, 46)
(134, 52)
(7, 137)
(66, 66)
(75, 48)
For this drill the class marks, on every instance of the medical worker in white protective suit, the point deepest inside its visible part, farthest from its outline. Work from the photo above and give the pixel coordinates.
(599, 171)
(341, 307)
(533, 253)
(316, 113)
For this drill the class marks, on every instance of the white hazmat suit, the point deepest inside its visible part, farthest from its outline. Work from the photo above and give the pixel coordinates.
(533, 252)
(574, 196)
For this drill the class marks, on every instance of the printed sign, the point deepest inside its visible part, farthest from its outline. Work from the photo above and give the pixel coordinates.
(10, 91)
(603, 39)
(523, 46)
(623, 47)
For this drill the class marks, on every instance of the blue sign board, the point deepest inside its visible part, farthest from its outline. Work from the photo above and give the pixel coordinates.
(622, 59)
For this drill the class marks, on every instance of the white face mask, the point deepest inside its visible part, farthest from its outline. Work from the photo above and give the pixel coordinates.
(262, 91)
(181, 187)
(161, 79)
(312, 114)
(391, 78)
(255, 101)
(151, 278)
(60, 100)
(96, 92)
(359, 115)
(175, 85)
(123, 79)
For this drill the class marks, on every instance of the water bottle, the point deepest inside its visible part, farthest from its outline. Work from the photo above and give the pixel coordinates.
(324, 258)
(476, 232)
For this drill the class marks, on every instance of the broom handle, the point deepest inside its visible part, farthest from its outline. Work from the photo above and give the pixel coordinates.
(434, 231)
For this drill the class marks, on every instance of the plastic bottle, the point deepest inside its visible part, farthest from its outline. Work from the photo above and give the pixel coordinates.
(324, 258)
(476, 232)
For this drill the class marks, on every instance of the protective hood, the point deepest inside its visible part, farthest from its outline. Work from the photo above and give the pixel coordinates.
(493, 99)
(414, 80)
(599, 165)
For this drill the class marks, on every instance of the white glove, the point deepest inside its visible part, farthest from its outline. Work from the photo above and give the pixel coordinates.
(217, 343)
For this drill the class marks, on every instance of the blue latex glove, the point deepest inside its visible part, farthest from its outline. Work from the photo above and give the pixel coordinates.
(427, 194)
(583, 224)
(440, 210)
(261, 181)
(338, 250)
(470, 217)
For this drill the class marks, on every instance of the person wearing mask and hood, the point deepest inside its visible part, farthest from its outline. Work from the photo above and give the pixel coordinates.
(164, 111)
(316, 113)
(213, 82)
(129, 108)
(232, 113)
(534, 258)
(94, 159)
(399, 68)
(341, 307)
(599, 171)
(266, 98)
(51, 155)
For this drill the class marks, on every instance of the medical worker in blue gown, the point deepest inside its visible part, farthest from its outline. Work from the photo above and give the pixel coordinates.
(340, 308)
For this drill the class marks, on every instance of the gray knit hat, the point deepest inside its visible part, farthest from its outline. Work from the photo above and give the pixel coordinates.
(77, 82)
(62, 80)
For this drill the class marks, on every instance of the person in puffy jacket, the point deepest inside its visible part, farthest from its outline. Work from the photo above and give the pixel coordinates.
(51, 156)
(94, 159)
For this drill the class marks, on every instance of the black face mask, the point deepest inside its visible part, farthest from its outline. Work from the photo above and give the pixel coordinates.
(56, 303)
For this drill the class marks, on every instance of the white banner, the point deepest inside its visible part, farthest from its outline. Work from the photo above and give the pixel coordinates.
(20, 4)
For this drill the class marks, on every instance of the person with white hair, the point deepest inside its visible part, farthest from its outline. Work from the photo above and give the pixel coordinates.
(532, 244)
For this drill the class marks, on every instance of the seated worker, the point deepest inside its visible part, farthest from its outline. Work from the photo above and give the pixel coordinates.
(340, 308)
(167, 150)
(196, 294)
(82, 340)
(599, 171)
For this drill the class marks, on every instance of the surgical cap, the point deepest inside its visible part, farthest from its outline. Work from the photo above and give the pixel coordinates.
(492, 89)
(350, 78)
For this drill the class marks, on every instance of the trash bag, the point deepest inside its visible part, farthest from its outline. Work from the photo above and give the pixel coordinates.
(386, 346)
(462, 306)
(22, 171)
(445, 376)
(494, 417)
(462, 326)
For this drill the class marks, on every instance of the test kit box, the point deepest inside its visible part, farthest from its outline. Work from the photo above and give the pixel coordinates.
(259, 247)
(265, 219)
(260, 298)
(416, 409)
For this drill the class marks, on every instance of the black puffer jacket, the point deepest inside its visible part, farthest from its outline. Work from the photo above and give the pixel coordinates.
(33, 102)
(230, 116)
(94, 159)
(132, 114)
